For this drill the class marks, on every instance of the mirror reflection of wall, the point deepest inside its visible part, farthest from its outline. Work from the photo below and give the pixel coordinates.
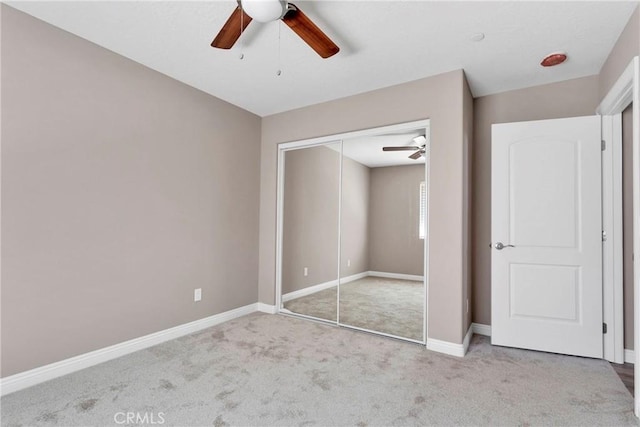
(356, 179)
(310, 231)
(382, 237)
(395, 242)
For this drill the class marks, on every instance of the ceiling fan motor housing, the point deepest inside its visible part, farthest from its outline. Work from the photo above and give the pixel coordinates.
(264, 10)
(273, 10)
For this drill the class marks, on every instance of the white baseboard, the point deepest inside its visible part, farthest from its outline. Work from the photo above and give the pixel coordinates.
(39, 375)
(467, 339)
(453, 349)
(308, 291)
(355, 277)
(322, 286)
(446, 347)
(629, 356)
(396, 276)
(480, 329)
(330, 284)
(266, 308)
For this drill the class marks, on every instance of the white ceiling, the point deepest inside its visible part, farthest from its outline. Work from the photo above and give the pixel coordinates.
(382, 43)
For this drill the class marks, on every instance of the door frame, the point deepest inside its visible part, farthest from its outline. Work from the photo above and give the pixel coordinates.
(341, 137)
(624, 92)
(612, 278)
(542, 336)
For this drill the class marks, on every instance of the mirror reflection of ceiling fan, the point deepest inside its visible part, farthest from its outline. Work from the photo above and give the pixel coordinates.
(419, 147)
(274, 10)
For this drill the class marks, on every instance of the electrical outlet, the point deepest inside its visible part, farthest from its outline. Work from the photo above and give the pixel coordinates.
(348, 263)
(306, 271)
(197, 294)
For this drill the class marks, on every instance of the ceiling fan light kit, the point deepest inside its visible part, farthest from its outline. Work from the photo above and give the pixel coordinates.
(269, 11)
(420, 140)
(265, 10)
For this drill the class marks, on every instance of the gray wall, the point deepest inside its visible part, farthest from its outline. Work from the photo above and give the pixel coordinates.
(122, 191)
(440, 98)
(395, 246)
(354, 236)
(310, 217)
(379, 218)
(578, 97)
(467, 200)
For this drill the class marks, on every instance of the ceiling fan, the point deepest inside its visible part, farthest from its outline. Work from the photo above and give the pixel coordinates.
(273, 10)
(420, 145)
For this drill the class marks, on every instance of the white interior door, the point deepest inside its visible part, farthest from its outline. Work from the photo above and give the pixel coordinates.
(546, 231)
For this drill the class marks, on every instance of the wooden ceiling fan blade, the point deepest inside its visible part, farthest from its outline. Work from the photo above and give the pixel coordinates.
(232, 29)
(416, 155)
(309, 32)
(400, 148)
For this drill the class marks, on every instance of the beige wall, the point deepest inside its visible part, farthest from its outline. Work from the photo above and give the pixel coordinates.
(439, 98)
(310, 220)
(395, 246)
(310, 217)
(122, 191)
(627, 46)
(578, 97)
(354, 222)
(627, 224)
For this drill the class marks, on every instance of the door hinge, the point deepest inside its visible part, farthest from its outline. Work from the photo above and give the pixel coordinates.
(604, 328)
(604, 236)
(603, 144)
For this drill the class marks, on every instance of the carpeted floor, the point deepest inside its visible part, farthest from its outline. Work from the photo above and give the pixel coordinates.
(391, 306)
(277, 370)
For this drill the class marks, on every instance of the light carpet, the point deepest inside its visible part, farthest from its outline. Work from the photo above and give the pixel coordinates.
(277, 370)
(391, 306)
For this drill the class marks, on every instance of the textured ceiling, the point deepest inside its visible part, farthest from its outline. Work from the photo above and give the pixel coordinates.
(383, 43)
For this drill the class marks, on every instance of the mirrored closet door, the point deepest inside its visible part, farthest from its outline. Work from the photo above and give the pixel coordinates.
(352, 219)
(310, 217)
(382, 233)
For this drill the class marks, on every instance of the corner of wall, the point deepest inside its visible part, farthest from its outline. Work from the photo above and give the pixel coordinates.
(468, 123)
(626, 47)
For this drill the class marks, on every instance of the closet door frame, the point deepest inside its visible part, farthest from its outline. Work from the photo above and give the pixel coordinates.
(341, 137)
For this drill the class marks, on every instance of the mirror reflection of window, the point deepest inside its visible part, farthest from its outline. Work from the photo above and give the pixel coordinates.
(422, 197)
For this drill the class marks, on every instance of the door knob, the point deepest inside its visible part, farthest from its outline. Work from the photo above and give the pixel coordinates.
(500, 246)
